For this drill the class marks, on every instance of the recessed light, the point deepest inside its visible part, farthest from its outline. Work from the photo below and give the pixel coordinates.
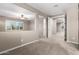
(55, 5)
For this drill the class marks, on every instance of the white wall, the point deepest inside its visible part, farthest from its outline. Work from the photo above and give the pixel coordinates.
(39, 25)
(9, 40)
(12, 39)
(50, 27)
(2, 24)
(54, 26)
(72, 24)
(28, 36)
(44, 27)
(26, 25)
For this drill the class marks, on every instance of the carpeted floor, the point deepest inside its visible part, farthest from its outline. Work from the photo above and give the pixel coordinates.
(40, 48)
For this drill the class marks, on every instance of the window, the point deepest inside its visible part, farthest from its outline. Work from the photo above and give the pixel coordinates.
(13, 25)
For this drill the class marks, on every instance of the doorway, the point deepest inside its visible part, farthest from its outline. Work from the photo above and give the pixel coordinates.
(60, 24)
(57, 27)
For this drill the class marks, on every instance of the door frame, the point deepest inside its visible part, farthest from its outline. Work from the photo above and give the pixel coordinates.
(65, 27)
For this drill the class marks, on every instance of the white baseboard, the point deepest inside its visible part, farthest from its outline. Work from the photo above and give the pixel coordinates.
(72, 42)
(5, 51)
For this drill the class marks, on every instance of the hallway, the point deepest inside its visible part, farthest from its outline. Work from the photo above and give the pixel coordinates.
(39, 29)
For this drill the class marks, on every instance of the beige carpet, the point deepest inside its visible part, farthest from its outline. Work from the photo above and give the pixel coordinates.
(40, 48)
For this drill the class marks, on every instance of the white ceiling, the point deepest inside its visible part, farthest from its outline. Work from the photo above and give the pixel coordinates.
(12, 10)
(49, 9)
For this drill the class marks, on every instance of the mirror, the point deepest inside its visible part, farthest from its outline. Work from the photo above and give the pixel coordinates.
(7, 24)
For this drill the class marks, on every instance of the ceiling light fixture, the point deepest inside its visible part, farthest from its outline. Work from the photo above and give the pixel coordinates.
(22, 16)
